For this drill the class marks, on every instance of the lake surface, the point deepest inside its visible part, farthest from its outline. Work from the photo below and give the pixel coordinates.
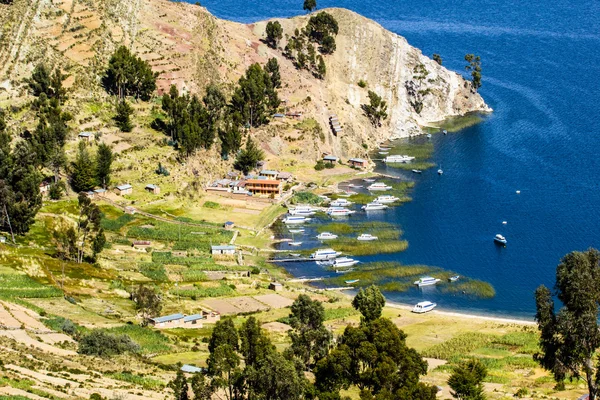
(541, 69)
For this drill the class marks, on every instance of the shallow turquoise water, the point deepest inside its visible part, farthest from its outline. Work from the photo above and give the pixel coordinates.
(541, 62)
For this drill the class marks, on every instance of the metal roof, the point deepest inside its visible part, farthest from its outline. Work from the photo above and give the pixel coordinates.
(268, 172)
(167, 318)
(191, 369)
(86, 134)
(125, 187)
(330, 158)
(222, 247)
(193, 317)
(151, 186)
(100, 191)
(359, 160)
(229, 223)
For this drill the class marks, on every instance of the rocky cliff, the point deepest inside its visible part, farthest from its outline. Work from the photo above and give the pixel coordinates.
(189, 48)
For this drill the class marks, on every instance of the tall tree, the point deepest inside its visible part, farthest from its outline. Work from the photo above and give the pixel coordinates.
(231, 137)
(321, 26)
(276, 378)
(88, 227)
(180, 387)
(466, 380)
(255, 346)
(474, 67)
(255, 98)
(83, 170)
(321, 67)
(249, 157)
(104, 159)
(310, 5)
(369, 302)
(201, 388)
(123, 116)
(215, 102)
(148, 303)
(272, 68)
(376, 110)
(570, 339)
(310, 338)
(224, 361)
(128, 75)
(274, 33)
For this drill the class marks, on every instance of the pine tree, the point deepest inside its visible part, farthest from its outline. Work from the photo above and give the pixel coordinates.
(474, 67)
(128, 75)
(180, 386)
(272, 68)
(249, 157)
(83, 170)
(321, 68)
(104, 159)
(310, 5)
(274, 33)
(123, 117)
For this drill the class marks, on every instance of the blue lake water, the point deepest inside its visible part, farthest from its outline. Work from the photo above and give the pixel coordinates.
(541, 69)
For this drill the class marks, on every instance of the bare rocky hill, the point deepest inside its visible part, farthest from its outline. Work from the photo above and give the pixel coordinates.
(189, 48)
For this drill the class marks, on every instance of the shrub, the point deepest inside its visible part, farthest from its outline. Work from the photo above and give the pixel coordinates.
(103, 344)
(362, 84)
(320, 166)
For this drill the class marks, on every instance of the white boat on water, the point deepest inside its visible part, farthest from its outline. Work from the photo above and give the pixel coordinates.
(341, 203)
(369, 180)
(295, 220)
(386, 199)
(296, 230)
(500, 239)
(326, 236)
(366, 237)
(344, 271)
(424, 307)
(352, 185)
(374, 207)
(296, 244)
(325, 254)
(344, 262)
(302, 210)
(382, 148)
(339, 212)
(351, 281)
(379, 186)
(427, 281)
(384, 153)
(398, 159)
(454, 278)
(417, 171)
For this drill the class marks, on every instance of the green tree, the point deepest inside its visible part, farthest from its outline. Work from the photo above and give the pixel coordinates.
(83, 170)
(328, 45)
(274, 33)
(272, 68)
(310, 5)
(215, 102)
(148, 303)
(179, 385)
(369, 302)
(437, 58)
(104, 159)
(224, 361)
(321, 26)
(123, 116)
(310, 338)
(201, 388)
(277, 378)
(255, 346)
(474, 67)
(255, 98)
(466, 380)
(40, 81)
(321, 68)
(249, 157)
(570, 339)
(127, 75)
(88, 227)
(376, 110)
(231, 137)
(104, 344)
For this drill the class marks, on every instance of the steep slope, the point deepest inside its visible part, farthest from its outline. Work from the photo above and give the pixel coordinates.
(189, 48)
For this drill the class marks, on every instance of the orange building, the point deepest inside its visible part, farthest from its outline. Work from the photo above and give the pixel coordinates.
(263, 186)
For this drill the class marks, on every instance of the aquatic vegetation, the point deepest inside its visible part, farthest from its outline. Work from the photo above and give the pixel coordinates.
(472, 287)
(356, 248)
(306, 198)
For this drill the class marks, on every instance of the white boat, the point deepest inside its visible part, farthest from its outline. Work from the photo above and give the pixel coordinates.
(368, 180)
(386, 199)
(381, 148)
(352, 185)
(295, 254)
(398, 159)
(302, 210)
(344, 271)
(440, 171)
(374, 207)
(325, 263)
(379, 186)
(454, 278)
(344, 262)
(295, 243)
(384, 153)
(417, 171)
(366, 237)
(500, 239)
(325, 254)
(426, 281)
(341, 203)
(340, 212)
(424, 307)
(445, 132)
(296, 230)
(295, 220)
(429, 135)
(326, 236)
(351, 281)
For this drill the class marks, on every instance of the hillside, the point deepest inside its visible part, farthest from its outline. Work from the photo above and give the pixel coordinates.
(190, 48)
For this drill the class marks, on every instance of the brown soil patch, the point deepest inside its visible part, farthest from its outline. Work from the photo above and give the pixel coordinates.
(276, 327)
(274, 300)
(221, 306)
(248, 304)
(433, 363)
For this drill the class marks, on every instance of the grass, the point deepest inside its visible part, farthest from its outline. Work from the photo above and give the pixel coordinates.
(115, 225)
(459, 345)
(208, 291)
(154, 271)
(146, 382)
(151, 342)
(16, 285)
(184, 237)
(339, 313)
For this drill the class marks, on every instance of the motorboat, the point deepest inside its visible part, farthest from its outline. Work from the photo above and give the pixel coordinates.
(325, 254)
(344, 271)
(296, 230)
(440, 171)
(417, 171)
(344, 262)
(295, 254)
(302, 210)
(429, 136)
(366, 237)
(296, 244)
(295, 220)
(369, 180)
(445, 132)
(379, 186)
(326, 236)
(351, 281)
(398, 159)
(340, 212)
(382, 148)
(325, 263)
(454, 278)
(384, 153)
(341, 203)
(427, 281)
(374, 207)
(423, 307)
(386, 199)
(500, 239)
(352, 185)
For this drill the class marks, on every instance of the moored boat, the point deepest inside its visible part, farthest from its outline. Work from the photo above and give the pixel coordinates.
(366, 237)
(340, 212)
(417, 171)
(325, 254)
(341, 203)
(454, 278)
(427, 281)
(379, 186)
(500, 239)
(374, 207)
(398, 159)
(386, 199)
(295, 220)
(344, 262)
(351, 281)
(296, 230)
(295, 244)
(302, 210)
(423, 307)
(326, 236)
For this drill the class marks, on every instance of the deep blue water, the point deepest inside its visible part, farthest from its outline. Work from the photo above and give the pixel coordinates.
(541, 69)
